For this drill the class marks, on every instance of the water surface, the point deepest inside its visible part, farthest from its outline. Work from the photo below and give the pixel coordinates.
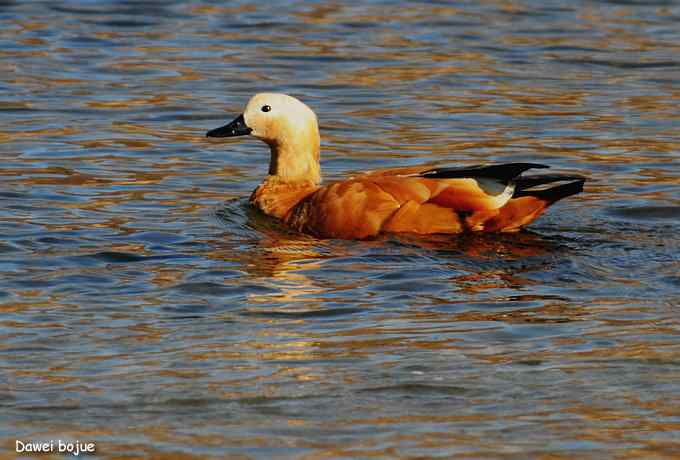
(146, 308)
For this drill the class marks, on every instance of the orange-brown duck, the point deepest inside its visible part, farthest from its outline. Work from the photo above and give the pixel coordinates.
(489, 198)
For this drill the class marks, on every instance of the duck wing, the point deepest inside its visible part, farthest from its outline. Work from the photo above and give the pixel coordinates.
(419, 200)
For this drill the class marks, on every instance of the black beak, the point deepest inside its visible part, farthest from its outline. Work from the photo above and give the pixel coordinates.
(237, 127)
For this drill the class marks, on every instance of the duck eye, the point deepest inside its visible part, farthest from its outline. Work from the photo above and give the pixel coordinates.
(266, 108)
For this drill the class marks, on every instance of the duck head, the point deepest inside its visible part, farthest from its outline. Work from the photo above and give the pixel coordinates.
(289, 127)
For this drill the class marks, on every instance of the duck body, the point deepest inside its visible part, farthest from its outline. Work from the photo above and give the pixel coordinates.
(490, 198)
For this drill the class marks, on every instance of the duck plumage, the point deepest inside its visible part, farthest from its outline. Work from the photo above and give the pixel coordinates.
(490, 198)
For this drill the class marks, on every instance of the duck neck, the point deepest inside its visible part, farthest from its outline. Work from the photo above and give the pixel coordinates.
(296, 158)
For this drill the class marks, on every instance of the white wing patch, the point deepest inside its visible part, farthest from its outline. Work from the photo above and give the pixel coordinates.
(500, 192)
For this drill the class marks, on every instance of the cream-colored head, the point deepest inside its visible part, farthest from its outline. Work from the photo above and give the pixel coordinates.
(290, 129)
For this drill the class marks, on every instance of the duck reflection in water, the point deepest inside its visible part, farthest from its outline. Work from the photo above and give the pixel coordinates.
(297, 264)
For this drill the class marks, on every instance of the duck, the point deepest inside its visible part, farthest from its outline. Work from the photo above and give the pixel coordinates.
(415, 199)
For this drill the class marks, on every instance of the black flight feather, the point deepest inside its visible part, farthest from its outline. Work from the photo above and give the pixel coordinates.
(502, 172)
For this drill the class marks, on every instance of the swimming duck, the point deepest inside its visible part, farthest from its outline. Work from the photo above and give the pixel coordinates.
(489, 198)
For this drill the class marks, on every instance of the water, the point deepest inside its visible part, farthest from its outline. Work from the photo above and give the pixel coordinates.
(145, 308)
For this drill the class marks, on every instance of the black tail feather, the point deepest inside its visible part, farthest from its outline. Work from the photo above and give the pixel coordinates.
(503, 172)
(552, 194)
(526, 182)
